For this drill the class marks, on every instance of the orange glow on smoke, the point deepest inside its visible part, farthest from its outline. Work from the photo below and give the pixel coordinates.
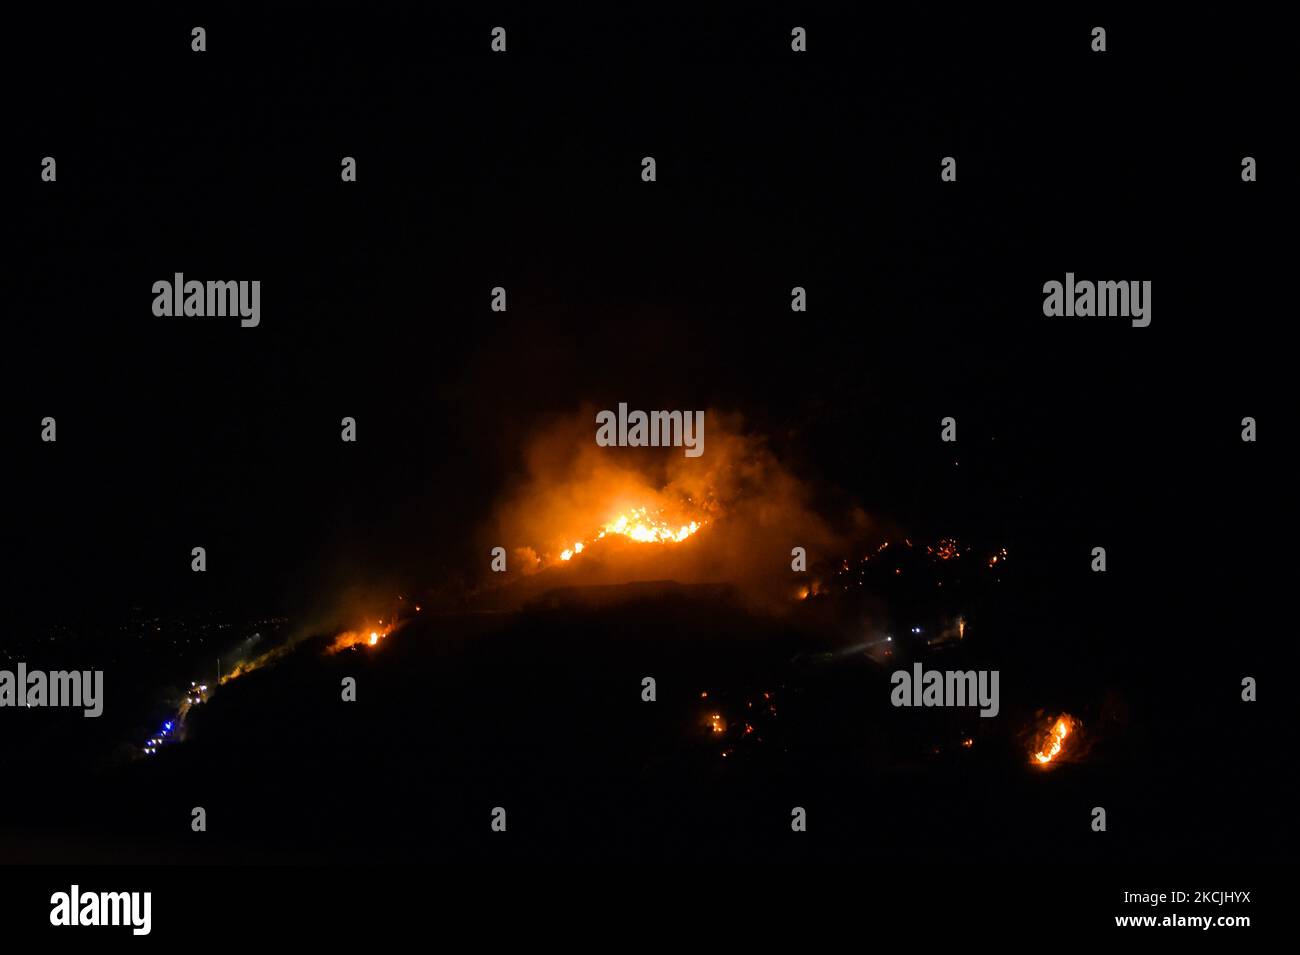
(248, 666)
(1052, 743)
(605, 517)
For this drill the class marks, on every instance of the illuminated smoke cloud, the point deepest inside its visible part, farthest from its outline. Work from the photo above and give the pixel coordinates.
(591, 515)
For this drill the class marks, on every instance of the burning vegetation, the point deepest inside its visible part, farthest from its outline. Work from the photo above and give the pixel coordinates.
(1051, 744)
(586, 515)
(369, 636)
(365, 637)
(941, 563)
(738, 723)
(639, 525)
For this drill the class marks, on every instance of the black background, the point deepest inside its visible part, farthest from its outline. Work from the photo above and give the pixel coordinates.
(523, 171)
(774, 170)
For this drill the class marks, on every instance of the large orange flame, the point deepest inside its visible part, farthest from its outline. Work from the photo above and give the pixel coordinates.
(1052, 743)
(640, 525)
(362, 637)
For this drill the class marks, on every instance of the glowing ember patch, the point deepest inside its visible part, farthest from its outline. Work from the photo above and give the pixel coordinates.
(1052, 743)
(945, 549)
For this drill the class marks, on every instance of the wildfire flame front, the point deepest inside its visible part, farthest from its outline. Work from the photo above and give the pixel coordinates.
(640, 525)
(1053, 741)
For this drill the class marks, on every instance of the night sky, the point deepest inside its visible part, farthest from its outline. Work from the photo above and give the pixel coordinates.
(819, 170)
